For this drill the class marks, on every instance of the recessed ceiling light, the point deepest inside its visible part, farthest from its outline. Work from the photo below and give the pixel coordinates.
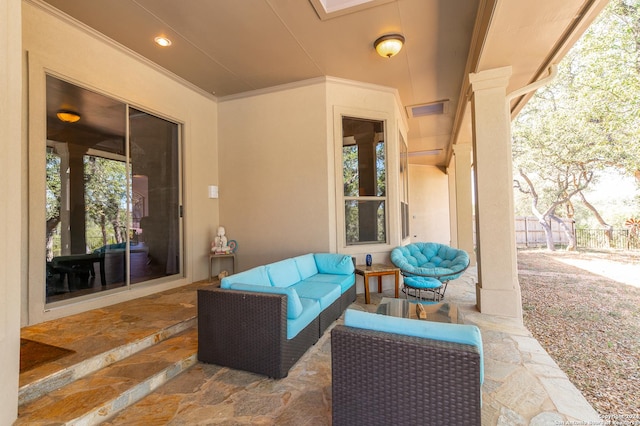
(162, 41)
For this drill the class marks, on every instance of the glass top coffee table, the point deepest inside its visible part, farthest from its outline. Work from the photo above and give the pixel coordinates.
(403, 308)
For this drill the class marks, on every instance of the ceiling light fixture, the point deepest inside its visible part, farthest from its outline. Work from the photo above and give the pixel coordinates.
(68, 116)
(389, 45)
(162, 41)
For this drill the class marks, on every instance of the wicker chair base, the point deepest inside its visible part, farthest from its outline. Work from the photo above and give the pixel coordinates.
(404, 381)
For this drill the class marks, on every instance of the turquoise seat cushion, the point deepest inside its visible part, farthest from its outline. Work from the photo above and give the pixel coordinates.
(430, 259)
(310, 311)
(455, 333)
(283, 273)
(294, 305)
(333, 263)
(344, 281)
(422, 282)
(306, 265)
(325, 293)
(256, 276)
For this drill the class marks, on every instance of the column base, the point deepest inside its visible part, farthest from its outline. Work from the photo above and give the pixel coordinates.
(506, 303)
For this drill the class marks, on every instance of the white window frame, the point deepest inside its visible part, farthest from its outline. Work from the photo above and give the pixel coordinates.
(341, 240)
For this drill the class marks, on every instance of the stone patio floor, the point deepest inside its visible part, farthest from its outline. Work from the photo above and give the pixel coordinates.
(523, 385)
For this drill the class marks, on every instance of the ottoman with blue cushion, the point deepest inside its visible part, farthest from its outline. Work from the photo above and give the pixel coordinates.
(414, 286)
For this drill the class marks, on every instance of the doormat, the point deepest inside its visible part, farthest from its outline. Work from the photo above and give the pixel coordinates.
(33, 354)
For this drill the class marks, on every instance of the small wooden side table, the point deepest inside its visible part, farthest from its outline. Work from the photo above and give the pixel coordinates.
(220, 256)
(377, 270)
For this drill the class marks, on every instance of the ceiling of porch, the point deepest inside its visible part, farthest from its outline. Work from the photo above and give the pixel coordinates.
(230, 47)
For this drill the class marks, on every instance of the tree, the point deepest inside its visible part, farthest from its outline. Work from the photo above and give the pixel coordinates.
(586, 121)
(52, 194)
(105, 192)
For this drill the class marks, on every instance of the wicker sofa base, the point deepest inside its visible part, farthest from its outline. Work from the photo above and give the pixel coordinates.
(405, 380)
(328, 316)
(248, 331)
(347, 298)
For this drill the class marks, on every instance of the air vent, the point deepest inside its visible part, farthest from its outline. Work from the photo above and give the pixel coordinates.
(425, 153)
(431, 108)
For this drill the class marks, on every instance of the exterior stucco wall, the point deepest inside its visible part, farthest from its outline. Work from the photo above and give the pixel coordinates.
(429, 204)
(273, 174)
(11, 207)
(280, 169)
(54, 44)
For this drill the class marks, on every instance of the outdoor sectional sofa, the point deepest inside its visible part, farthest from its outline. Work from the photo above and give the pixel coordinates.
(264, 319)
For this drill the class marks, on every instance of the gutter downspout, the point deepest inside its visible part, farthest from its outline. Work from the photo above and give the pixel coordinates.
(553, 71)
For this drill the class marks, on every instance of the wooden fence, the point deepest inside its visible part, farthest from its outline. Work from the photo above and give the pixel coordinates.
(529, 232)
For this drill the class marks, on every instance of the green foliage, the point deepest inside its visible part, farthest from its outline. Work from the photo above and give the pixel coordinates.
(52, 192)
(364, 214)
(106, 196)
(105, 201)
(587, 120)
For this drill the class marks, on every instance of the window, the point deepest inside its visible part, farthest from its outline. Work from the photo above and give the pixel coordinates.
(404, 187)
(112, 194)
(364, 181)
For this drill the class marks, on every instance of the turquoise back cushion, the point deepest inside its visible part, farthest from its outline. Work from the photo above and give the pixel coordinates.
(455, 333)
(430, 259)
(294, 305)
(333, 263)
(255, 276)
(283, 273)
(306, 266)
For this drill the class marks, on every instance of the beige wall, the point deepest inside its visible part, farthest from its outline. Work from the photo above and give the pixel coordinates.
(280, 172)
(273, 174)
(429, 204)
(57, 45)
(11, 212)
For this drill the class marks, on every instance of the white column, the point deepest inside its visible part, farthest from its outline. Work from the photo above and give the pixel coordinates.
(498, 290)
(11, 213)
(463, 199)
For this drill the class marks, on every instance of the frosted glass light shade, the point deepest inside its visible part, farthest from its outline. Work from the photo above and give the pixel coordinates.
(389, 45)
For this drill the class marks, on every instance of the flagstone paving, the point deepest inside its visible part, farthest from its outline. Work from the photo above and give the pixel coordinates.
(523, 385)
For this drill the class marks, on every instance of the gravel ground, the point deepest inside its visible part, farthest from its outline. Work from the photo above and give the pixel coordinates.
(588, 322)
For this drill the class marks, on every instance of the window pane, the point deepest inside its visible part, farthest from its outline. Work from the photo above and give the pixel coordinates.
(404, 187)
(85, 166)
(108, 214)
(363, 158)
(155, 221)
(364, 180)
(365, 222)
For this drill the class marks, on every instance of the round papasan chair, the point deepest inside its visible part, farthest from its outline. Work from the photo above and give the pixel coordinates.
(429, 266)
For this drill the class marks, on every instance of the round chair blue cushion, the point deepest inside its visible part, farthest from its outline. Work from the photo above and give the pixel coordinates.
(431, 259)
(422, 282)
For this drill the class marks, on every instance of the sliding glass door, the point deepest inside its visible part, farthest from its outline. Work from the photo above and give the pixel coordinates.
(112, 194)
(154, 219)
